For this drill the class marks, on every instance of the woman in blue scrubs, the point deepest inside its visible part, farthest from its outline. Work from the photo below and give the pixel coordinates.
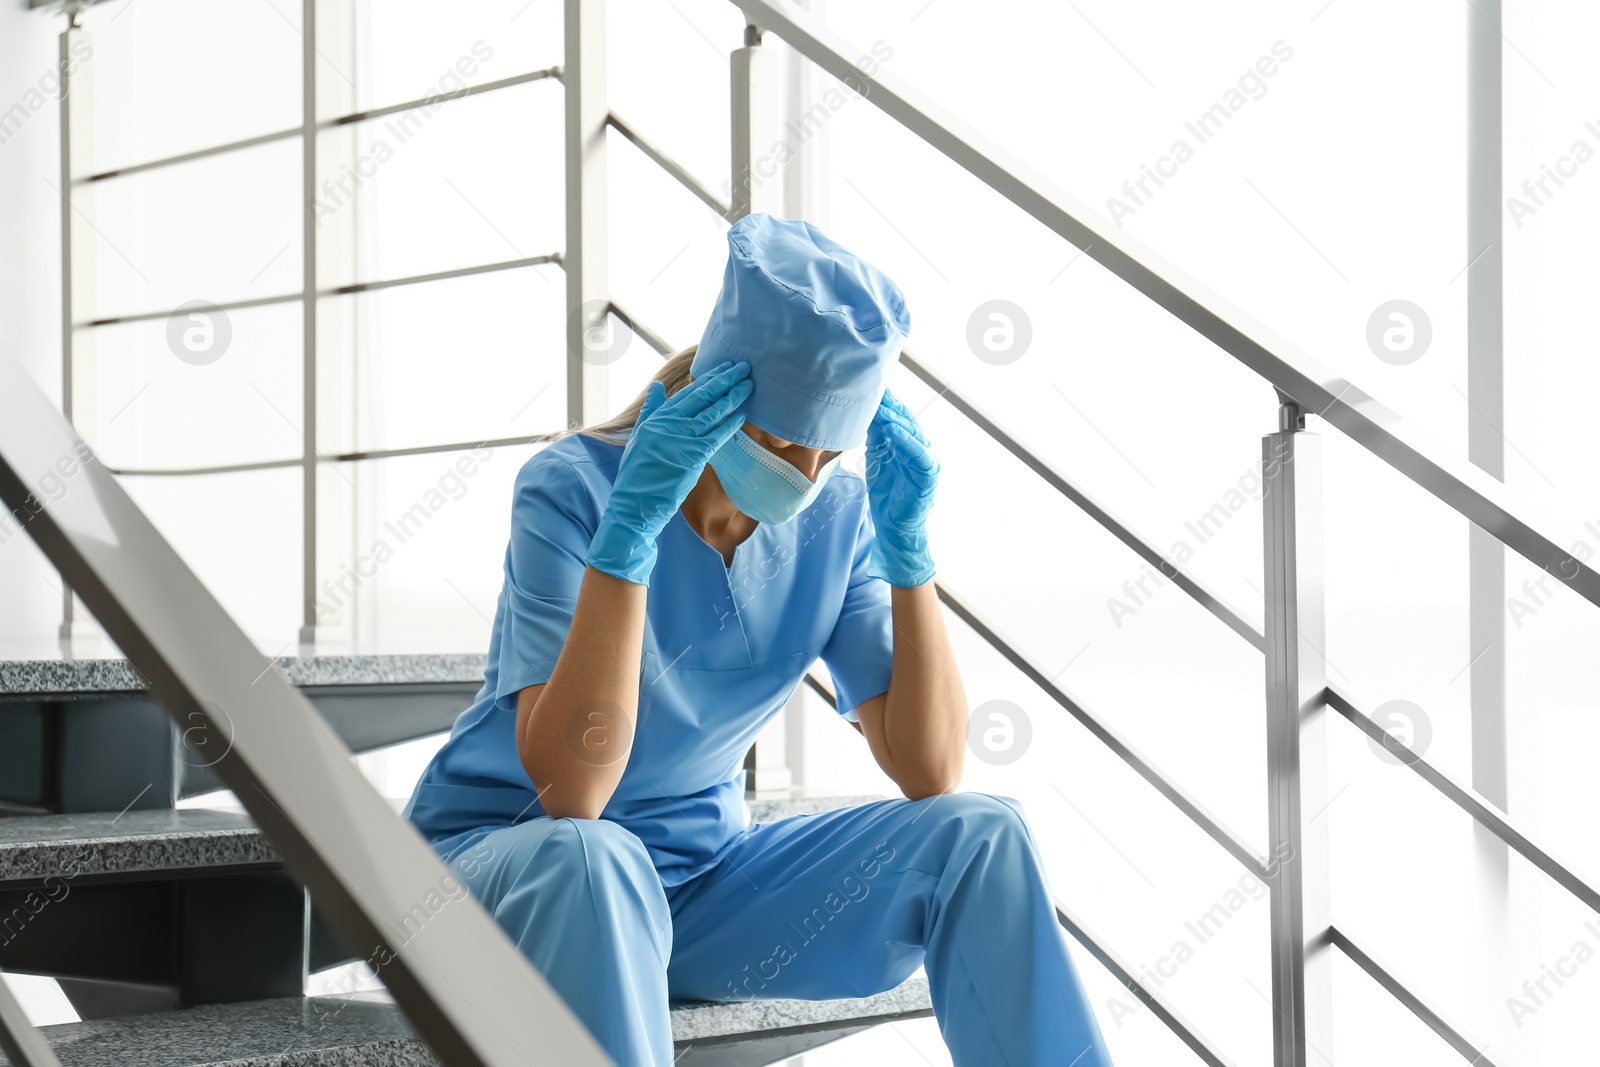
(670, 577)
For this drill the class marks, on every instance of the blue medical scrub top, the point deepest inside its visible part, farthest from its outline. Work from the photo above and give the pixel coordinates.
(724, 647)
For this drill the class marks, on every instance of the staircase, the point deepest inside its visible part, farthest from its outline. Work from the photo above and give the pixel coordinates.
(175, 931)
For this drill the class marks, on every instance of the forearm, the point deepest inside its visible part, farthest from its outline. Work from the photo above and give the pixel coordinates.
(575, 736)
(924, 722)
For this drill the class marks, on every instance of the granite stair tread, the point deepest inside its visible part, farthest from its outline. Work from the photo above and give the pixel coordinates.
(116, 675)
(367, 1030)
(35, 847)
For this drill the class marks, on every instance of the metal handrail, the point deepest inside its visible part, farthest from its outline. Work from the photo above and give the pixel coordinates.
(1385, 977)
(461, 982)
(1203, 595)
(1481, 809)
(347, 119)
(1468, 800)
(1152, 999)
(672, 167)
(1236, 846)
(1294, 373)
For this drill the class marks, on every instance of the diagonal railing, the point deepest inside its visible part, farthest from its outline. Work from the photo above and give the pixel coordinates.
(461, 982)
(1299, 701)
(1307, 388)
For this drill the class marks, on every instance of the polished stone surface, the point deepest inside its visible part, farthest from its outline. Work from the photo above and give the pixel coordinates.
(366, 1030)
(104, 843)
(35, 847)
(72, 676)
(292, 1032)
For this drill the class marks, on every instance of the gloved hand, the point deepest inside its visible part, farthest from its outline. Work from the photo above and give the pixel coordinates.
(901, 475)
(671, 442)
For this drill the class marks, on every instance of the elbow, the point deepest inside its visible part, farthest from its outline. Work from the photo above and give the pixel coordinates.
(930, 782)
(923, 789)
(568, 803)
(572, 810)
(560, 797)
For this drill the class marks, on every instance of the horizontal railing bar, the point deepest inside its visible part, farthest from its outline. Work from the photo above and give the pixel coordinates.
(221, 468)
(345, 290)
(428, 101)
(326, 124)
(649, 336)
(224, 305)
(190, 157)
(1202, 594)
(1460, 486)
(342, 457)
(1236, 846)
(672, 167)
(1469, 801)
(1151, 999)
(442, 275)
(1385, 977)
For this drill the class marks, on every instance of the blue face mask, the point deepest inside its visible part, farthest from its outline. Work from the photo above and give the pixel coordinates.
(764, 486)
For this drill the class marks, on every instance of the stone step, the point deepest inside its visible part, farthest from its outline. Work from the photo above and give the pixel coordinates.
(103, 846)
(367, 1030)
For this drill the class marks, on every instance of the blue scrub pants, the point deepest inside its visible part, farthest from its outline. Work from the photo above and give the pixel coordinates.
(843, 904)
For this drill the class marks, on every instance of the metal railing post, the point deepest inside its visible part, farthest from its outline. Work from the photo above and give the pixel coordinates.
(754, 82)
(1296, 742)
(75, 142)
(583, 76)
(754, 86)
(308, 323)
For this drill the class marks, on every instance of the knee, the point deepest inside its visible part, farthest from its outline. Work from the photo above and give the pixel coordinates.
(984, 816)
(598, 856)
(977, 825)
(570, 876)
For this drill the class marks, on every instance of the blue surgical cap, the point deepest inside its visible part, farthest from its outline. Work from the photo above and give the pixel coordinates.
(819, 327)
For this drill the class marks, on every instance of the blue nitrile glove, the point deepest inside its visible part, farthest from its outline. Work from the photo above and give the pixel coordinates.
(669, 447)
(902, 473)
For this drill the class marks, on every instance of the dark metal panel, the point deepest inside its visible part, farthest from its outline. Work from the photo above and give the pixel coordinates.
(119, 933)
(242, 937)
(24, 754)
(116, 754)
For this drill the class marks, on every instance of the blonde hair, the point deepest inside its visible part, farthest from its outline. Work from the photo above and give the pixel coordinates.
(674, 375)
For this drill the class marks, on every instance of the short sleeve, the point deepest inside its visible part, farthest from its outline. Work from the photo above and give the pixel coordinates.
(860, 651)
(553, 518)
